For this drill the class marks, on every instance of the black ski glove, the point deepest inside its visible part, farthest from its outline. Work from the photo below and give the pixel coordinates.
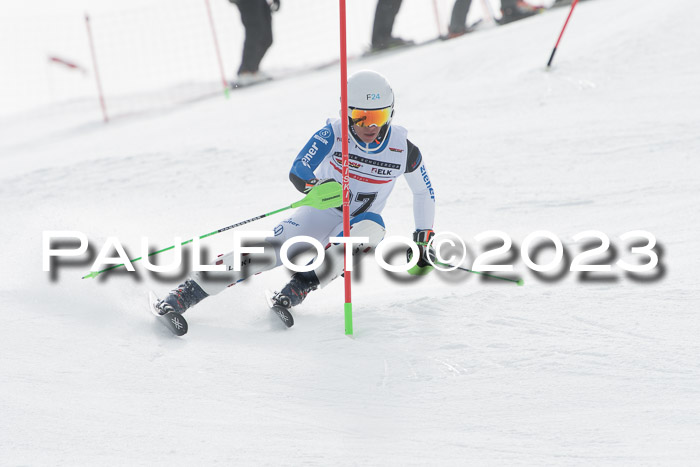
(421, 238)
(315, 182)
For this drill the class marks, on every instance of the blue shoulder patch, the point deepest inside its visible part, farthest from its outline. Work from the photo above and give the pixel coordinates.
(316, 149)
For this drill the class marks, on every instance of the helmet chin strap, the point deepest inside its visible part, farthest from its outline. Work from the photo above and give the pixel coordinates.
(379, 139)
(383, 131)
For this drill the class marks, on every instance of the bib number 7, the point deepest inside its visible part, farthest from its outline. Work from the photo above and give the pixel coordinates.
(365, 198)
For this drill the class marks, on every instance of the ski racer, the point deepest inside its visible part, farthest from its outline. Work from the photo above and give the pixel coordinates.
(379, 153)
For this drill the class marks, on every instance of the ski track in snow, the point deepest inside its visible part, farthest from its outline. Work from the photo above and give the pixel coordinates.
(445, 370)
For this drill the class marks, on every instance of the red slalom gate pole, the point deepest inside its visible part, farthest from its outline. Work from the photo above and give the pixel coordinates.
(346, 165)
(97, 72)
(216, 48)
(554, 50)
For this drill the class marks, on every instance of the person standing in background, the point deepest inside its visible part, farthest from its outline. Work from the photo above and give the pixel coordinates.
(511, 10)
(458, 20)
(256, 16)
(384, 18)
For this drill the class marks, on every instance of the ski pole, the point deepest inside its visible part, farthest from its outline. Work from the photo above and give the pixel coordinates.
(436, 12)
(488, 10)
(517, 281)
(554, 50)
(327, 195)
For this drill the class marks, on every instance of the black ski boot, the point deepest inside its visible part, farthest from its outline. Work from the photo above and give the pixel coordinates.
(296, 290)
(185, 296)
(292, 294)
(390, 42)
(517, 10)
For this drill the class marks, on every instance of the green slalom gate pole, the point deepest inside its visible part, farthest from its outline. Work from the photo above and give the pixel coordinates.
(327, 195)
(348, 319)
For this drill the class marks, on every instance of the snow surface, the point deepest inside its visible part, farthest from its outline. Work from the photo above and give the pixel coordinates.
(445, 370)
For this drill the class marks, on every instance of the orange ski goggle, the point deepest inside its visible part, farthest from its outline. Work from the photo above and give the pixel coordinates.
(366, 118)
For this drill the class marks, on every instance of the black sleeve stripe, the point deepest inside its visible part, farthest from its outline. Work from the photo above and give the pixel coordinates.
(414, 158)
(298, 182)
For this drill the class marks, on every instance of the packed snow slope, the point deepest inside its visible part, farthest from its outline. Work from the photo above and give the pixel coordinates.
(444, 370)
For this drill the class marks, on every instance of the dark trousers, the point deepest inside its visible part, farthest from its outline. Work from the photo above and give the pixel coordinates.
(458, 22)
(384, 20)
(257, 20)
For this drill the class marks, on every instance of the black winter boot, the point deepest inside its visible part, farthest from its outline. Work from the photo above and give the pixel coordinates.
(516, 10)
(297, 289)
(185, 296)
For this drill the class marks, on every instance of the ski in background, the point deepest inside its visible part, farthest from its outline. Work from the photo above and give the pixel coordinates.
(561, 3)
(249, 81)
(399, 47)
(476, 25)
(521, 10)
